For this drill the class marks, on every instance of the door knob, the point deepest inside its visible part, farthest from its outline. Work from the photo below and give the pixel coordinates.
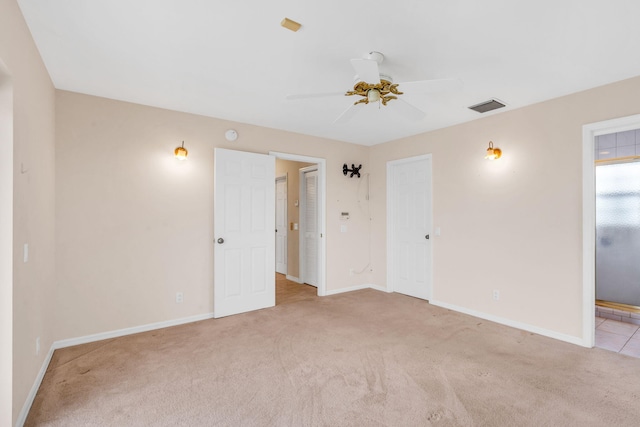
(221, 240)
(426, 237)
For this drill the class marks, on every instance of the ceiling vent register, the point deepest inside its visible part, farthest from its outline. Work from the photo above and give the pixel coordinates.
(490, 105)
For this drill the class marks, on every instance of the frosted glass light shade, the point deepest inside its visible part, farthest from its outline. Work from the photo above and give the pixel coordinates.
(373, 95)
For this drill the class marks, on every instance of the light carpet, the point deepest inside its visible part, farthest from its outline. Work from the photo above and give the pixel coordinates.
(363, 358)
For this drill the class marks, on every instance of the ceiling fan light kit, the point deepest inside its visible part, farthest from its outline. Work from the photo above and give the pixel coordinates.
(383, 92)
(374, 87)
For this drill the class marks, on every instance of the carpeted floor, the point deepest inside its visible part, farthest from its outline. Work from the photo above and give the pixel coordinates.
(363, 358)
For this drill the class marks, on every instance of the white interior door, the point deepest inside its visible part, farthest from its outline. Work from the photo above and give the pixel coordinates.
(244, 215)
(409, 226)
(310, 232)
(281, 225)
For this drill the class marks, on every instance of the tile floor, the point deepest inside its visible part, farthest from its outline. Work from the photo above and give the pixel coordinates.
(620, 337)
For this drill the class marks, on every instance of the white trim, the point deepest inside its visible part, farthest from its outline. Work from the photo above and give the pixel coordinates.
(508, 322)
(589, 133)
(349, 289)
(391, 218)
(22, 417)
(293, 279)
(129, 331)
(322, 209)
(380, 288)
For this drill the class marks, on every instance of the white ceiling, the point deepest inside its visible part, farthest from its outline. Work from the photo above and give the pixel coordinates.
(233, 60)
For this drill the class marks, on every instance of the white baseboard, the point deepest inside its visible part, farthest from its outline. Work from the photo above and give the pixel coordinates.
(380, 288)
(22, 417)
(129, 331)
(514, 324)
(293, 279)
(92, 338)
(349, 289)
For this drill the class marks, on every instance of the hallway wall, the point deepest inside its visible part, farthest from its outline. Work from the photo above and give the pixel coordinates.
(291, 170)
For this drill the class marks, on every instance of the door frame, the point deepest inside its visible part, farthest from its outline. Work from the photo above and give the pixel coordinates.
(322, 212)
(391, 214)
(589, 133)
(303, 205)
(285, 178)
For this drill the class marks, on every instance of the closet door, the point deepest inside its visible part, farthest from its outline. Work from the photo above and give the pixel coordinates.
(310, 230)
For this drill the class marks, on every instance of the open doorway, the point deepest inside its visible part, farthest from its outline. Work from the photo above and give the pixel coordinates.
(617, 271)
(300, 247)
(618, 224)
(610, 154)
(244, 220)
(290, 283)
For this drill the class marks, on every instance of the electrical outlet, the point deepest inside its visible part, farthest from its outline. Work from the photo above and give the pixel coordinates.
(25, 253)
(496, 295)
(179, 297)
(351, 272)
(38, 346)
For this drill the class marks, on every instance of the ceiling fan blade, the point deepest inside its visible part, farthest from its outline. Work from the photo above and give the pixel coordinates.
(367, 70)
(312, 95)
(435, 85)
(407, 110)
(348, 114)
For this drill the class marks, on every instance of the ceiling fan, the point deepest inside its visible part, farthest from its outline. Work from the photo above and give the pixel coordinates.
(373, 87)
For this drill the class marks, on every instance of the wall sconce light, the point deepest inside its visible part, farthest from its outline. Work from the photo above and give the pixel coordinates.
(493, 153)
(355, 170)
(181, 152)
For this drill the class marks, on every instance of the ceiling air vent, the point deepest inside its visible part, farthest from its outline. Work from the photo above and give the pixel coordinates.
(483, 107)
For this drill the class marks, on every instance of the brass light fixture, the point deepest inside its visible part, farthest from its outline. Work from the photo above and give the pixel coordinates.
(384, 92)
(493, 153)
(181, 152)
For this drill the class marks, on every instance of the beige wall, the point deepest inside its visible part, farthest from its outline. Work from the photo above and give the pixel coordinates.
(33, 206)
(290, 169)
(515, 224)
(134, 225)
(6, 246)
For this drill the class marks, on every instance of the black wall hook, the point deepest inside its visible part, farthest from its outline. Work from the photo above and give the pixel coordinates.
(354, 170)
